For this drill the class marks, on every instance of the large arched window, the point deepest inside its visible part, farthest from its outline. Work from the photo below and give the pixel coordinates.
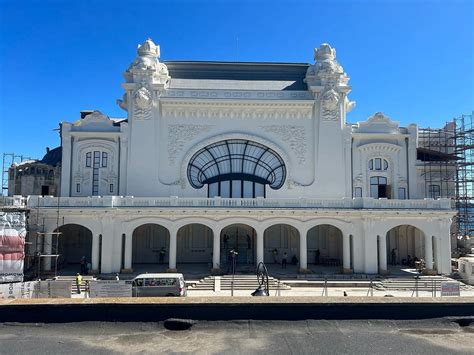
(236, 168)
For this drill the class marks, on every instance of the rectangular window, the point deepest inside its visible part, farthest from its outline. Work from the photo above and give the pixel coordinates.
(78, 187)
(434, 191)
(213, 189)
(236, 188)
(358, 192)
(378, 187)
(259, 190)
(248, 189)
(88, 159)
(111, 188)
(378, 164)
(402, 193)
(104, 159)
(225, 189)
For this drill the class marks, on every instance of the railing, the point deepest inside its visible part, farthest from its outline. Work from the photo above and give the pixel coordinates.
(231, 203)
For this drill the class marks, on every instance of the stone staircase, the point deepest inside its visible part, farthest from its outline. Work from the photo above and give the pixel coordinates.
(425, 283)
(72, 279)
(241, 282)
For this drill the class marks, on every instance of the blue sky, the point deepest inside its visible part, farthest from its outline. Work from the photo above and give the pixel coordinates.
(412, 60)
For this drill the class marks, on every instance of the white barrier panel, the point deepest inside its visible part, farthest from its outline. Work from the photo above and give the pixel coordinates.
(110, 288)
(12, 246)
(53, 289)
(36, 289)
(19, 290)
(450, 289)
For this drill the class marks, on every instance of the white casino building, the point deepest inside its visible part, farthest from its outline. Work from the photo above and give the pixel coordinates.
(255, 157)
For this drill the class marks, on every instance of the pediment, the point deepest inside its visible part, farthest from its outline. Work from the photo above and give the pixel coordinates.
(95, 121)
(378, 123)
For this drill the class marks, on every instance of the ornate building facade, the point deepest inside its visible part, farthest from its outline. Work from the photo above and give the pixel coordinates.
(256, 157)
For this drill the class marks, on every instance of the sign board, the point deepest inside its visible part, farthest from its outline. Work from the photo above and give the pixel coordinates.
(450, 289)
(12, 246)
(110, 288)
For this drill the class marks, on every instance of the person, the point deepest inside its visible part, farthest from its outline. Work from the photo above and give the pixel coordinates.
(294, 260)
(88, 268)
(117, 276)
(394, 256)
(83, 265)
(415, 259)
(409, 261)
(162, 255)
(283, 260)
(78, 283)
(317, 255)
(275, 255)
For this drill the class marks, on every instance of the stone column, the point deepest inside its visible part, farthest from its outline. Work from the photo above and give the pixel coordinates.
(346, 254)
(95, 253)
(216, 249)
(303, 250)
(429, 253)
(128, 252)
(383, 254)
(173, 250)
(259, 233)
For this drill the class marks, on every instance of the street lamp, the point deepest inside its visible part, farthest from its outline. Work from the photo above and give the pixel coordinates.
(262, 278)
(233, 253)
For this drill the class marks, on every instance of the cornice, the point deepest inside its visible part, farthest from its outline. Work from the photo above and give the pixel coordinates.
(255, 109)
(237, 94)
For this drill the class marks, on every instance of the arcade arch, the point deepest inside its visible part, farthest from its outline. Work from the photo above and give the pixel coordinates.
(280, 239)
(324, 246)
(74, 242)
(194, 244)
(242, 239)
(150, 245)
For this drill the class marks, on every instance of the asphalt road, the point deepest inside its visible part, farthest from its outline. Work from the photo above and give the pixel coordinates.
(434, 336)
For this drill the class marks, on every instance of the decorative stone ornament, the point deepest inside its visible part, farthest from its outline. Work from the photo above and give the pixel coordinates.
(326, 71)
(330, 105)
(147, 67)
(143, 101)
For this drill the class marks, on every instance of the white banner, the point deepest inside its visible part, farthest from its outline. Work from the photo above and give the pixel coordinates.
(110, 288)
(19, 290)
(12, 246)
(36, 289)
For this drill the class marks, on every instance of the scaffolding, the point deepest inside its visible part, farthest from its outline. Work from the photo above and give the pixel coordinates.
(465, 175)
(8, 160)
(43, 254)
(447, 156)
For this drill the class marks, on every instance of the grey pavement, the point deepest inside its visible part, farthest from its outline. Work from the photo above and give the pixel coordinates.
(434, 336)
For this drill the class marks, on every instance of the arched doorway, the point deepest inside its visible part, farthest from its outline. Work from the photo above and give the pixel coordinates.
(404, 245)
(278, 240)
(194, 244)
(74, 243)
(324, 248)
(150, 247)
(242, 239)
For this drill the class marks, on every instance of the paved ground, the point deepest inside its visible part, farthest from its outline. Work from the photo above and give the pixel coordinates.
(435, 336)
